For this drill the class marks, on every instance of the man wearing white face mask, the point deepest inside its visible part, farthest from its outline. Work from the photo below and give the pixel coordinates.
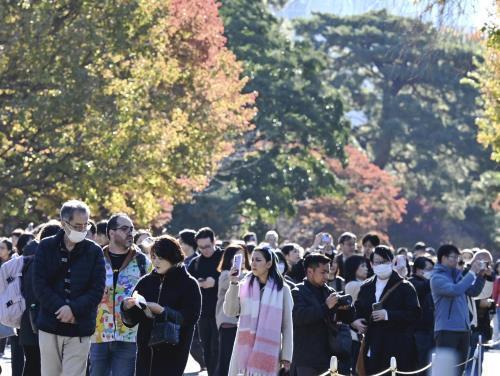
(386, 311)
(424, 328)
(68, 282)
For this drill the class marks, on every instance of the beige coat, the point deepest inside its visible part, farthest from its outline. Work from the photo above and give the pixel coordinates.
(220, 317)
(233, 306)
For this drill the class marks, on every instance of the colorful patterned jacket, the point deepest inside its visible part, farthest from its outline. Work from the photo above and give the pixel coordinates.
(109, 325)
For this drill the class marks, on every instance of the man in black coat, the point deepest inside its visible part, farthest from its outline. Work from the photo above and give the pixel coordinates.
(204, 268)
(316, 310)
(387, 315)
(424, 327)
(68, 282)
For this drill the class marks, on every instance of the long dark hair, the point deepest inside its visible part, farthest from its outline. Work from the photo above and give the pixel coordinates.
(8, 243)
(227, 258)
(351, 266)
(274, 273)
(282, 259)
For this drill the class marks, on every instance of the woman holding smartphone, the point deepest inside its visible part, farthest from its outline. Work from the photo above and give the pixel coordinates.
(263, 302)
(235, 256)
(386, 309)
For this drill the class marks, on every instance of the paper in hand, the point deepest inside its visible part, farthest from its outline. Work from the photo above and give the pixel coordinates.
(140, 301)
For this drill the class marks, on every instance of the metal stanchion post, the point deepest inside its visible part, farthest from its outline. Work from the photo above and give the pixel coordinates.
(433, 360)
(480, 356)
(333, 366)
(394, 366)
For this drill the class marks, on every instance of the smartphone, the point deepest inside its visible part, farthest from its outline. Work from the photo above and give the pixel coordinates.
(401, 261)
(325, 238)
(237, 262)
(377, 306)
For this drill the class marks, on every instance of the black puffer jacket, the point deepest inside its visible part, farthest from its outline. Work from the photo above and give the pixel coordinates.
(86, 261)
(180, 295)
(423, 288)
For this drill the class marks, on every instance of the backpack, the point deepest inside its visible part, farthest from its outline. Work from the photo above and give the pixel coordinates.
(141, 263)
(12, 303)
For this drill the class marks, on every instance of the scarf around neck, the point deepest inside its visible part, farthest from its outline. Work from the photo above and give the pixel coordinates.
(259, 335)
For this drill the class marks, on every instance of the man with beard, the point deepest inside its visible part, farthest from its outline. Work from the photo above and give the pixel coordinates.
(113, 349)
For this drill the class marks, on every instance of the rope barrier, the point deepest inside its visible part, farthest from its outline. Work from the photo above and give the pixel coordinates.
(415, 372)
(381, 373)
(491, 344)
(334, 372)
(467, 361)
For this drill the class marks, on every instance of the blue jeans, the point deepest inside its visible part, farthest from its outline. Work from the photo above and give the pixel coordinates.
(113, 358)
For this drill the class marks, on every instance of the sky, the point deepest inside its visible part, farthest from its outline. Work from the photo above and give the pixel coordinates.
(471, 17)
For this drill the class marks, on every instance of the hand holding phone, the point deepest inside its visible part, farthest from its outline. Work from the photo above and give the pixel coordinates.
(237, 260)
(401, 261)
(377, 306)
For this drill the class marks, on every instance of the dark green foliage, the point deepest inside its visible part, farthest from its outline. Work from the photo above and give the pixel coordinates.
(298, 122)
(406, 77)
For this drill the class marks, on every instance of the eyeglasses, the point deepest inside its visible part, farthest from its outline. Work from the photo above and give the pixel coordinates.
(79, 227)
(125, 229)
(381, 262)
(207, 247)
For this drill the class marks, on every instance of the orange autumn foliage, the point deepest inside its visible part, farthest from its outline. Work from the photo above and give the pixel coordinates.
(371, 201)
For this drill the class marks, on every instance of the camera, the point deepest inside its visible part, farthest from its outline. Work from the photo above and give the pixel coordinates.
(344, 300)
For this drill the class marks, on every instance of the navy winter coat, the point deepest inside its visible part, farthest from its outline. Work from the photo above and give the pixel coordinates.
(88, 275)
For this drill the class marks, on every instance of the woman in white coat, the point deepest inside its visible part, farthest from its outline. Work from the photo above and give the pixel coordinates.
(264, 341)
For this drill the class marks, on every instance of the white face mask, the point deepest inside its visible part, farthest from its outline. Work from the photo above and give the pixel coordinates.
(76, 236)
(281, 267)
(383, 271)
(428, 274)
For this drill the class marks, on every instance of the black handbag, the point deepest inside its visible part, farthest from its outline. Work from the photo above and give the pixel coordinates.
(339, 339)
(166, 332)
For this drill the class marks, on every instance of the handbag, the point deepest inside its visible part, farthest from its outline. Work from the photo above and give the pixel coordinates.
(339, 339)
(165, 332)
(6, 331)
(360, 363)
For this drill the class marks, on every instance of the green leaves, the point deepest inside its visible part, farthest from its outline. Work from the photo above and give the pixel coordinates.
(298, 116)
(129, 106)
(405, 78)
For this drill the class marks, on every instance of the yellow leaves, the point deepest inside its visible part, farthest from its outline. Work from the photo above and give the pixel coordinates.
(136, 103)
(488, 76)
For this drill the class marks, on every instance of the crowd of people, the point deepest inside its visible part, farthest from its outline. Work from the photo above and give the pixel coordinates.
(107, 299)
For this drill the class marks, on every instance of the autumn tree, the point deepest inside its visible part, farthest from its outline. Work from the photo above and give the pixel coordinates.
(487, 79)
(370, 200)
(403, 78)
(127, 105)
(297, 113)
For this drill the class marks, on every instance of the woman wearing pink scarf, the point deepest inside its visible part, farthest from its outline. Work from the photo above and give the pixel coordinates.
(264, 340)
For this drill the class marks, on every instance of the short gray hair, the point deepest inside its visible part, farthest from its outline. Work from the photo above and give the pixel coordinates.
(69, 208)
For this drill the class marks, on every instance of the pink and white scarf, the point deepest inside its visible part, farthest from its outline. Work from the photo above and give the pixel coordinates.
(259, 335)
